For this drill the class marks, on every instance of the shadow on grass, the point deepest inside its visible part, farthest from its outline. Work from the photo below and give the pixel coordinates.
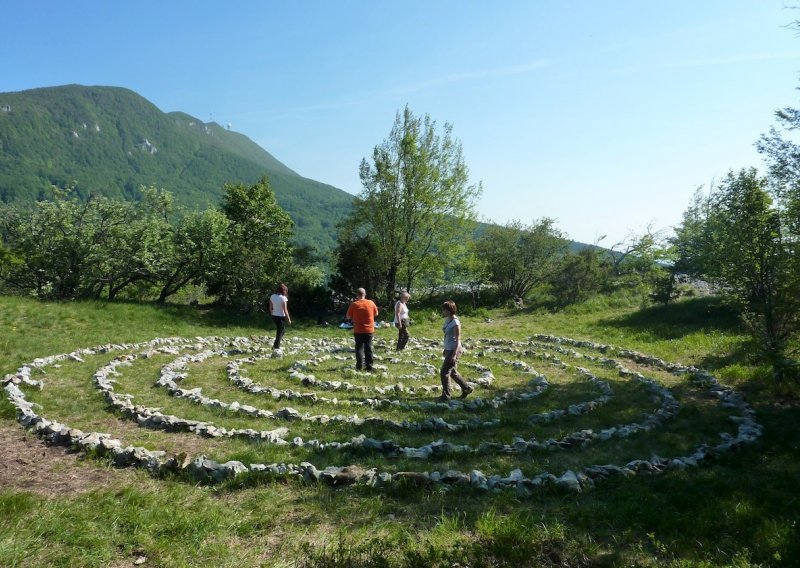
(742, 503)
(214, 316)
(682, 318)
(220, 317)
(744, 353)
(741, 510)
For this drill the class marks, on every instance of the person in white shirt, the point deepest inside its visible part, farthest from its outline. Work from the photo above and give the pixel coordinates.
(279, 310)
(401, 320)
(452, 351)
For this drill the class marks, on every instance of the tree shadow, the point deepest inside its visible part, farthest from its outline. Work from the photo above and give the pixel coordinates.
(743, 353)
(679, 319)
(215, 316)
(224, 317)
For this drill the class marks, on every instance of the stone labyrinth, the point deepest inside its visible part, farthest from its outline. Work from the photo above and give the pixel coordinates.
(546, 412)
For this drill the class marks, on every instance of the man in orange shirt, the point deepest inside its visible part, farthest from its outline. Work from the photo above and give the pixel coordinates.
(362, 313)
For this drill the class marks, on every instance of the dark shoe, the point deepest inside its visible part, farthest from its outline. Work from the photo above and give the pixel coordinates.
(466, 392)
(443, 399)
(369, 369)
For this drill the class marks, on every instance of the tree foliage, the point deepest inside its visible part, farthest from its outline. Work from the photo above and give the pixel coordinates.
(517, 257)
(258, 252)
(357, 266)
(197, 252)
(67, 247)
(580, 275)
(743, 237)
(638, 254)
(782, 153)
(416, 205)
(70, 248)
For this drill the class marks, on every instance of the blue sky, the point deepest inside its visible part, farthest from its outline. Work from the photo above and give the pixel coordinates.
(605, 115)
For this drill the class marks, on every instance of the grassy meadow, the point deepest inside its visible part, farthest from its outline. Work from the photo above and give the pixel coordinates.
(71, 510)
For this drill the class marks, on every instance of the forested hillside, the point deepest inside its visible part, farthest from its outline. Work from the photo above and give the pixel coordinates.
(111, 141)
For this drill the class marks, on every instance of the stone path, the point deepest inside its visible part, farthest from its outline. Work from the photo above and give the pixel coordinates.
(409, 392)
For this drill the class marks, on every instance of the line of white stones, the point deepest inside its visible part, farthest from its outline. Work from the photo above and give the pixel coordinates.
(174, 372)
(154, 419)
(234, 369)
(299, 371)
(204, 469)
(669, 406)
(485, 379)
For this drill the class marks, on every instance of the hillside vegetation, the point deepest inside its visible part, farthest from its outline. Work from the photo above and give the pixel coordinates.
(111, 141)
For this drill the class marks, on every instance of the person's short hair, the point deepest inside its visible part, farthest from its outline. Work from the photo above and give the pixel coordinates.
(360, 292)
(282, 289)
(450, 306)
(404, 295)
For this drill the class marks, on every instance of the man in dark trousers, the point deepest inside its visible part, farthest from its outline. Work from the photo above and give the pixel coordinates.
(362, 313)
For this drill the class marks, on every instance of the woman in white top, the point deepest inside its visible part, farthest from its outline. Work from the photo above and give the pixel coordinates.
(451, 352)
(401, 320)
(279, 310)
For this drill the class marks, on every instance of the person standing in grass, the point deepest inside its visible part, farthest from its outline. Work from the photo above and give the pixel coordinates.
(452, 351)
(362, 313)
(401, 320)
(279, 310)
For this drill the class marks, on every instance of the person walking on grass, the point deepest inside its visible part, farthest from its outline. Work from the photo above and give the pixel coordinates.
(362, 313)
(279, 310)
(401, 320)
(452, 351)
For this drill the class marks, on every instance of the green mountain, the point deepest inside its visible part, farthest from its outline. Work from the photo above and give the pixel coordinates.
(111, 141)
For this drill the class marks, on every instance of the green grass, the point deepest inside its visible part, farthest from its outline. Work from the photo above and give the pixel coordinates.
(739, 510)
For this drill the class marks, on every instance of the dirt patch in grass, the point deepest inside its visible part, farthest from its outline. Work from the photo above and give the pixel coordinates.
(28, 464)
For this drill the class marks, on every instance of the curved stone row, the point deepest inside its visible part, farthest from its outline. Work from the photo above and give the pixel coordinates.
(727, 396)
(204, 469)
(154, 419)
(327, 351)
(300, 367)
(668, 408)
(539, 383)
(241, 381)
(172, 372)
(486, 378)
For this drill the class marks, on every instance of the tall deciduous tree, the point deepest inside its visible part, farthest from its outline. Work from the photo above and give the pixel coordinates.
(638, 253)
(783, 158)
(258, 249)
(519, 257)
(67, 248)
(416, 204)
(742, 239)
(782, 153)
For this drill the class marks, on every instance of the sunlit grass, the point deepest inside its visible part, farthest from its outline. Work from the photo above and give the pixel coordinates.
(739, 510)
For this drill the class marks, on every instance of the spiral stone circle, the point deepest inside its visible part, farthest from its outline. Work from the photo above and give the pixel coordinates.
(308, 359)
